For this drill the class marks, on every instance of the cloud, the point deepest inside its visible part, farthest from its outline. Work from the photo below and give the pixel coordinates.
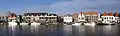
(85, 5)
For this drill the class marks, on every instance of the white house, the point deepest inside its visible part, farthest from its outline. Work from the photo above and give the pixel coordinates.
(67, 19)
(81, 17)
(107, 19)
(40, 17)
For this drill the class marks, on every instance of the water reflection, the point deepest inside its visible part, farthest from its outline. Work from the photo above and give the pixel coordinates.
(68, 30)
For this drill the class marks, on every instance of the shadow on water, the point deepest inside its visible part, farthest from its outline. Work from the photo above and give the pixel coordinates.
(68, 30)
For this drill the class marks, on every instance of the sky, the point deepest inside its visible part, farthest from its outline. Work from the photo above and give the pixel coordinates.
(60, 7)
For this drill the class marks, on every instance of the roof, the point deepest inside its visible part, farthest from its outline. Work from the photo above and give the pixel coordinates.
(91, 13)
(43, 14)
(75, 15)
(68, 15)
(105, 14)
(116, 14)
(111, 14)
(53, 14)
(34, 14)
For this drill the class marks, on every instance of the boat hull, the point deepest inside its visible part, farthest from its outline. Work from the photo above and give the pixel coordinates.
(23, 23)
(90, 24)
(35, 23)
(12, 23)
(76, 24)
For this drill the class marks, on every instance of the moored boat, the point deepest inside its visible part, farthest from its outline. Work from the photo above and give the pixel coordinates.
(90, 24)
(23, 23)
(12, 23)
(35, 23)
(76, 24)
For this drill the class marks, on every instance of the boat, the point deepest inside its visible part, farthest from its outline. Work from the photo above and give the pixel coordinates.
(90, 24)
(76, 24)
(35, 23)
(12, 23)
(109, 22)
(23, 23)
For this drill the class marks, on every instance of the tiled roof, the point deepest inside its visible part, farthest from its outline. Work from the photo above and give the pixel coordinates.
(105, 14)
(91, 13)
(75, 15)
(111, 14)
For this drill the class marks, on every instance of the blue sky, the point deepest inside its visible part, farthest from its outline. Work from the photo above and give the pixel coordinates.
(59, 7)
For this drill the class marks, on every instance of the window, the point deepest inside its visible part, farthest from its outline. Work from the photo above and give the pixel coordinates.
(27, 17)
(109, 17)
(105, 18)
(82, 18)
(40, 18)
(112, 17)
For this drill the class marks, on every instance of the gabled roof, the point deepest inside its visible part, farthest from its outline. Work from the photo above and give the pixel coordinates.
(116, 14)
(105, 14)
(111, 14)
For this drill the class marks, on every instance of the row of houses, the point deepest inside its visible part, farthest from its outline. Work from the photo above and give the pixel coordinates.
(30, 17)
(39, 17)
(91, 17)
(50, 17)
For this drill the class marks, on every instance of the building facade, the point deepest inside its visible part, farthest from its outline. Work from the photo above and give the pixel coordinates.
(12, 17)
(4, 16)
(75, 17)
(81, 17)
(91, 16)
(116, 17)
(39, 17)
(67, 18)
(107, 18)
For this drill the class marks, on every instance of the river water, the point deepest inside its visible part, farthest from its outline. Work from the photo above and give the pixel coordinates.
(68, 30)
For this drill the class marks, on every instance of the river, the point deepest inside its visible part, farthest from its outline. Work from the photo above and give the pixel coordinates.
(68, 30)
